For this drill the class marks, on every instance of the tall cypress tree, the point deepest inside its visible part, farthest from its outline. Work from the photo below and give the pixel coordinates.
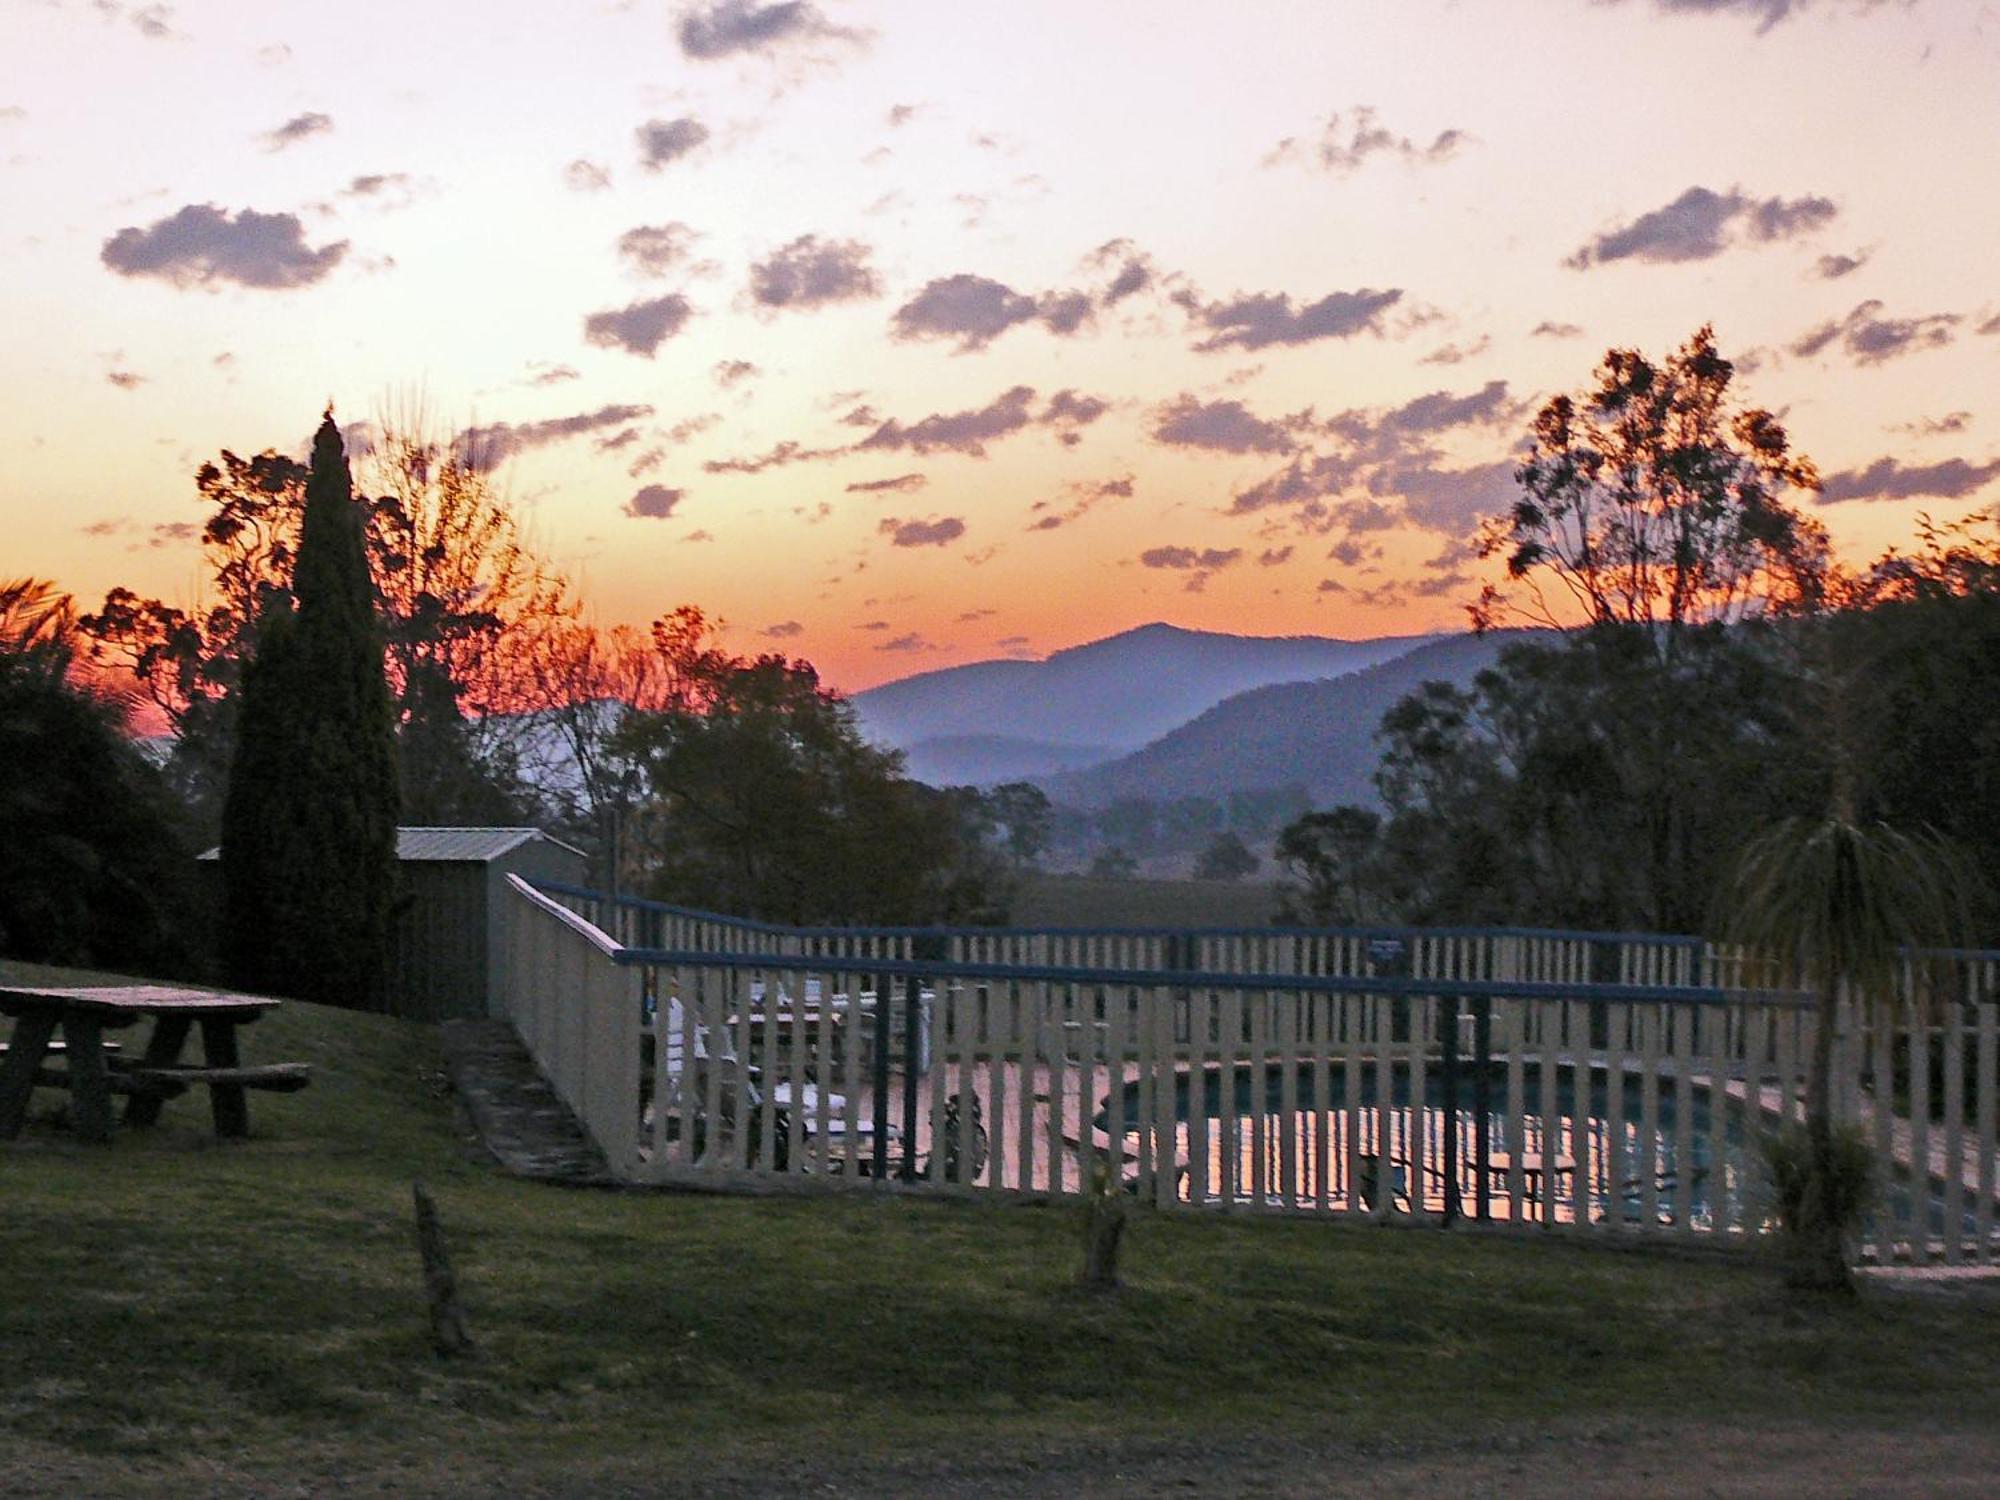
(309, 826)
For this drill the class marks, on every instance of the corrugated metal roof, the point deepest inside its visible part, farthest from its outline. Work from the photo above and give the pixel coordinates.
(455, 845)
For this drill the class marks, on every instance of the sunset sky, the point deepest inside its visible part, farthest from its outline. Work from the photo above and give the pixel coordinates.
(913, 333)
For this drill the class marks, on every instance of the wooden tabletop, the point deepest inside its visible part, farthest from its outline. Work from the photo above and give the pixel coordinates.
(133, 999)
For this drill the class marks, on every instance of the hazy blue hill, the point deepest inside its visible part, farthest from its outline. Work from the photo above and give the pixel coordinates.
(988, 759)
(1318, 734)
(1115, 694)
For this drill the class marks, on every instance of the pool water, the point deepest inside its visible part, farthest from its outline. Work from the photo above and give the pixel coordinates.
(1613, 1155)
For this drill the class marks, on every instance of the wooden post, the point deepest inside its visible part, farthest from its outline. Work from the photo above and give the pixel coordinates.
(226, 1101)
(17, 1073)
(162, 1051)
(448, 1332)
(89, 1090)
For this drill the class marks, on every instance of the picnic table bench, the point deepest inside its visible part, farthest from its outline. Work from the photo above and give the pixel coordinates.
(94, 1073)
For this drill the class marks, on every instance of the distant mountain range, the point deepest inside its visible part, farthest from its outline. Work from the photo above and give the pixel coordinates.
(1317, 734)
(1022, 720)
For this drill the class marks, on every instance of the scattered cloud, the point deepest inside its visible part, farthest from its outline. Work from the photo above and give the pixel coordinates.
(487, 447)
(155, 22)
(730, 373)
(784, 630)
(1198, 563)
(299, 128)
(811, 272)
(735, 28)
(937, 531)
(895, 485)
(781, 456)
(1272, 557)
(1082, 496)
(585, 176)
(1870, 339)
(654, 502)
(1548, 329)
(1989, 325)
(1833, 267)
(902, 114)
(912, 642)
(968, 432)
(1889, 479)
(656, 249)
(548, 374)
(1766, 13)
(662, 142)
(1346, 144)
(1701, 224)
(125, 380)
(201, 245)
(1457, 354)
(974, 310)
(1950, 422)
(1220, 427)
(639, 328)
(1259, 320)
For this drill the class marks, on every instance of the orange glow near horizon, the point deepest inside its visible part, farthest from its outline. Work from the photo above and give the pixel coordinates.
(866, 226)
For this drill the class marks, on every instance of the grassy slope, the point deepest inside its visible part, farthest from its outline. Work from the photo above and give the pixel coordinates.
(178, 1312)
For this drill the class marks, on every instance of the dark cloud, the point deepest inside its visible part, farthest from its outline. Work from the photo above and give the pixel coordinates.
(618, 442)
(1766, 13)
(1271, 557)
(639, 328)
(1698, 224)
(911, 642)
(299, 128)
(1345, 145)
(1219, 426)
(975, 310)
(1869, 338)
(810, 272)
(1888, 479)
(784, 630)
(656, 249)
(938, 531)
(654, 502)
(201, 244)
(376, 184)
(1833, 267)
(1457, 354)
(1547, 329)
(898, 484)
(125, 380)
(1132, 271)
(487, 447)
(781, 456)
(583, 176)
(735, 27)
(1950, 422)
(1069, 409)
(547, 374)
(1261, 319)
(1082, 497)
(665, 141)
(1188, 558)
(966, 432)
(733, 372)
(1377, 454)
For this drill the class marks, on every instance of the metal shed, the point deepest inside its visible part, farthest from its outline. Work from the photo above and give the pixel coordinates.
(450, 941)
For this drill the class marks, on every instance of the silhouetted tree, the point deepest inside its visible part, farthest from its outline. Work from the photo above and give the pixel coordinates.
(93, 871)
(309, 824)
(1226, 857)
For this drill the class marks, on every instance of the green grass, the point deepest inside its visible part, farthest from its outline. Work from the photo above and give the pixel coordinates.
(178, 1312)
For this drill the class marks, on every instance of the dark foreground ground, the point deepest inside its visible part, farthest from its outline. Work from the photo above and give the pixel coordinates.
(182, 1318)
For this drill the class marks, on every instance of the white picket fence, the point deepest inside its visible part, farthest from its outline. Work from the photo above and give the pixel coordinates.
(1308, 1073)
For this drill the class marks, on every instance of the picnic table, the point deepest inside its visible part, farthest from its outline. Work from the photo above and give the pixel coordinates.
(84, 1013)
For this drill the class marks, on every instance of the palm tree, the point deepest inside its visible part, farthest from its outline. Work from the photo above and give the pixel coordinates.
(1838, 905)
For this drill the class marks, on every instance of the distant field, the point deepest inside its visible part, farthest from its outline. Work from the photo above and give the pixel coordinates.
(1095, 901)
